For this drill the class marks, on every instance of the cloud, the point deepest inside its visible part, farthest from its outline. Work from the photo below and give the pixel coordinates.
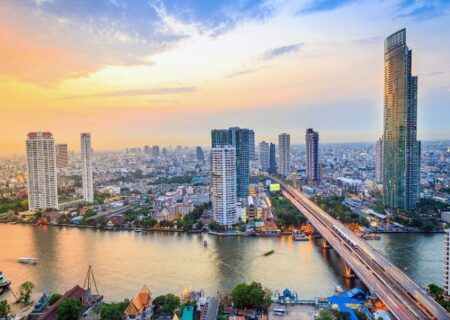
(421, 10)
(240, 73)
(281, 51)
(138, 92)
(315, 6)
(434, 73)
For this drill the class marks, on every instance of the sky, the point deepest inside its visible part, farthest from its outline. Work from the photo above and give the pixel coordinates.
(147, 72)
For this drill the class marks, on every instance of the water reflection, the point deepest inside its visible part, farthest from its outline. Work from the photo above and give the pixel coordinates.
(169, 262)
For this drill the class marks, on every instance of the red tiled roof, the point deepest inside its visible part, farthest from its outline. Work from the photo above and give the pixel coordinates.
(76, 293)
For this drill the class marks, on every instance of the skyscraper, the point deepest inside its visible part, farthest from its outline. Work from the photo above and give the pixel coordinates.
(272, 159)
(199, 154)
(401, 150)
(379, 161)
(223, 185)
(62, 156)
(239, 138)
(312, 157)
(251, 148)
(41, 171)
(264, 155)
(284, 153)
(86, 167)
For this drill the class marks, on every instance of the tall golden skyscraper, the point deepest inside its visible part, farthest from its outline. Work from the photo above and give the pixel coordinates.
(401, 150)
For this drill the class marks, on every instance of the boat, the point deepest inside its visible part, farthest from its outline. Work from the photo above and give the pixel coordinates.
(299, 236)
(138, 230)
(4, 283)
(371, 236)
(205, 243)
(268, 253)
(27, 260)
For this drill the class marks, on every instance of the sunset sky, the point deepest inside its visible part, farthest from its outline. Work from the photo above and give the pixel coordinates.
(167, 72)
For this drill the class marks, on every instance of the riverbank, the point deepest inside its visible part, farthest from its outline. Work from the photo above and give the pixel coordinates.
(214, 233)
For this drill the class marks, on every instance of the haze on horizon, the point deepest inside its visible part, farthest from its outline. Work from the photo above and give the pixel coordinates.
(167, 72)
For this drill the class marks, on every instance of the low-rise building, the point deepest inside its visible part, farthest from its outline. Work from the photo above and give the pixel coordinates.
(140, 308)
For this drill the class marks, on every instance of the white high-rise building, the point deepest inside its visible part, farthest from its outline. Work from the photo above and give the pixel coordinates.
(86, 160)
(447, 262)
(284, 153)
(41, 171)
(379, 161)
(223, 185)
(264, 155)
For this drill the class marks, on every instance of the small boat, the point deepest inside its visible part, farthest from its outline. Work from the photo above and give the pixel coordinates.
(27, 260)
(4, 283)
(371, 236)
(268, 253)
(299, 236)
(138, 230)
(205, 243)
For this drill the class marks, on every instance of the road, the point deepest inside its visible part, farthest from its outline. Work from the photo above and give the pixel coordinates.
(404, 298)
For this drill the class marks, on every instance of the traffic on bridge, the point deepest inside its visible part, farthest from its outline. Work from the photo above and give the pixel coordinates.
(404, 298)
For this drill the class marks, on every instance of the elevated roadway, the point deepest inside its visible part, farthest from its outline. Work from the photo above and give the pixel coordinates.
(404, 298)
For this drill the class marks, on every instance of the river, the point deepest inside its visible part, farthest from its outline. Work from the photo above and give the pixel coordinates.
(169, 262)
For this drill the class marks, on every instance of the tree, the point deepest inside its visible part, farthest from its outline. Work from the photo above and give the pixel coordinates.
(113, 311)
(4, 309)
(251, 295)
(325, 314)
(435, 290)
(167, 303)
(25, 292)
(53, 298)
(69, 309)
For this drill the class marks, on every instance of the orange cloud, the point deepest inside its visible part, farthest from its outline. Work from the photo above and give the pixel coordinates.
(25, 59)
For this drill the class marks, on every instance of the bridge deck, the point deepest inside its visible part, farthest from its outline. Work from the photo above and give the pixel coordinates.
(404, 298)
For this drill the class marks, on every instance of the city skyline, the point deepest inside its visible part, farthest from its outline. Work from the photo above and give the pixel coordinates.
(281, 61)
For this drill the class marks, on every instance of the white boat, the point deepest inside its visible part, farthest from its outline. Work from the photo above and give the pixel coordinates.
(299, 236)
(138, 230)
(27, 260)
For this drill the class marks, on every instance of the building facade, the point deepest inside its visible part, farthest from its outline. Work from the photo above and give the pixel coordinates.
(251, 150)
(272, 158)
(223, 185)
(239, 138)
(379, 161)
(200, 156)
(312, 157)
(41, 171)
(62, 156)
(447, 262)
(401, 150)
(86, 167)
(264, 155)
(219, 137)
(284, 154)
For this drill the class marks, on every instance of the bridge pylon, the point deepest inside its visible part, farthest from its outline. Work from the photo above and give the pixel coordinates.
(348, 272)
(324, 244)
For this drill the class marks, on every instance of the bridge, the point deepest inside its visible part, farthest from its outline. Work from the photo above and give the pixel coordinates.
(404, 298)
